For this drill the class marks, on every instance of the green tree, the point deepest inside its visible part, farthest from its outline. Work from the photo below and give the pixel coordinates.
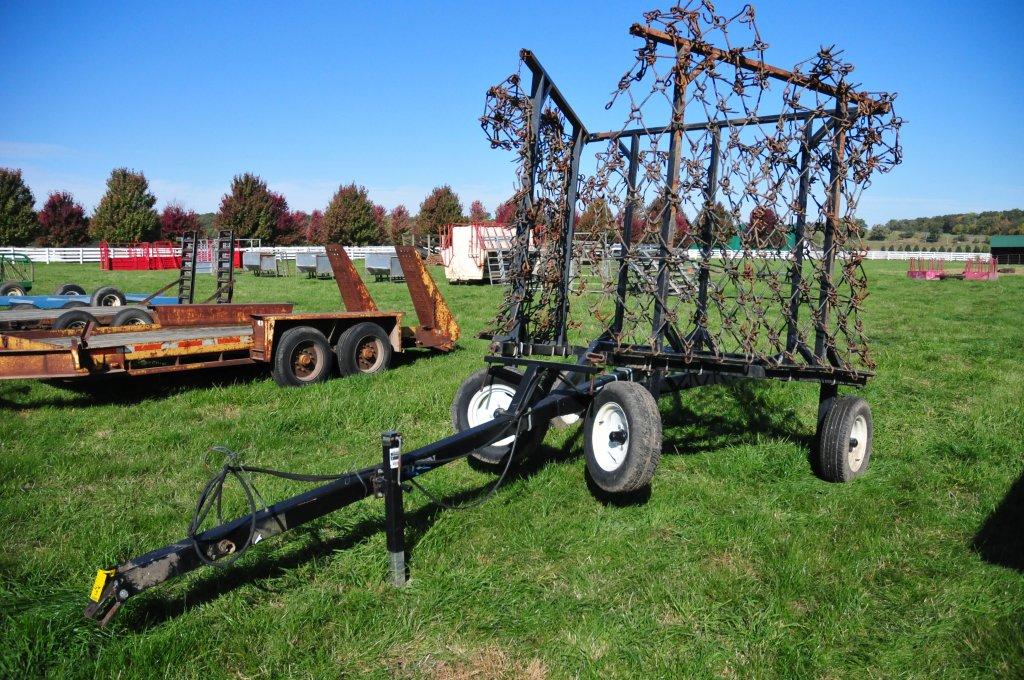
(440, 208)
(250, 209)
(125, 214)
(18, 224)
(596, 219)
(351, 218)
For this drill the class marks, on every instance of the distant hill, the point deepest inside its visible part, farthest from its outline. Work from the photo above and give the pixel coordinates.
(985, 223)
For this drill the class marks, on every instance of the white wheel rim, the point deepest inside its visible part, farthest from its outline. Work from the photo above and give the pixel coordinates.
(859, 434)
(110, 301)
(485, 402)
(609, 453)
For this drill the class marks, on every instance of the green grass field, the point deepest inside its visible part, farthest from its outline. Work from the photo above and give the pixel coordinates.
(740, 563)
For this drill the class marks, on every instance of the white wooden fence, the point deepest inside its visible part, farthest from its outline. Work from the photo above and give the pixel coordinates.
(86, 255)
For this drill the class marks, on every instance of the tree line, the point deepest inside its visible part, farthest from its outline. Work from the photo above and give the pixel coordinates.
(126, 214)
(989, 223)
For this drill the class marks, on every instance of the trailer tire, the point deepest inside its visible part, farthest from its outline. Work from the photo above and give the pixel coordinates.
(70, 289)
(22, 305)
(481, 394)
(132, 316)
(364, 348)
(622, 438)
(844, 442)
(12, 288)
(74, 319)
(71, 304)
(108, 296)
(302, 357)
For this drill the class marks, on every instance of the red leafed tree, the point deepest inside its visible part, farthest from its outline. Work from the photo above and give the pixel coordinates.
(315, 229)
(477, 212)
(175, 222)
(291, 225)
(506, 212)
(439, 209)
(62, 222)
(765, 227)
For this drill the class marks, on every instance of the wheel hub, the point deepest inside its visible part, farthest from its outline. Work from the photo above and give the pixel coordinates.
(488, 402)
(610, 436)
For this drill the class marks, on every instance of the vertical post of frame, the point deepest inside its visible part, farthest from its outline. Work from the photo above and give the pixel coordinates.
(632, 197)
(394, 512)
(569, 222)
(539, 89)
(796, 272)
(671, 194)
(700, 335)
(837, 175)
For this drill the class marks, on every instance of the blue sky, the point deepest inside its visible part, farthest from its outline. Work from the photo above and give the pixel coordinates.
(310, 95)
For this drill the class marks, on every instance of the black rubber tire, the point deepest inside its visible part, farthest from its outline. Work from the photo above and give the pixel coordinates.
(363, 337)
(70, 289)
(107, 296)
(307, 340)
(493, 455)
(132, 316)
(71, 304)
(22, 305)
(643, 437)
(74, 318)
(11, 288)
(836, 456)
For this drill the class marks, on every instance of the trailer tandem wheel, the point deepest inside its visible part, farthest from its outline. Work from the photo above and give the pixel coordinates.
(622, 438)
(74, 319)
(475, 402)
(363, 348)
(12, 288)
(132, 316)
(844, 441)
(108, 296)
(302, 357)
(70, 289)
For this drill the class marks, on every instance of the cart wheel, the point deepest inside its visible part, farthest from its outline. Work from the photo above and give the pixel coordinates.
(364, 348)
(22, 305)
(479, 396)
(108, 296)
(844, 442)
(622, 438)
(76, 319)
(12, 288)
(302, 357)
(70, 289)
(72, 304)
(132, 316)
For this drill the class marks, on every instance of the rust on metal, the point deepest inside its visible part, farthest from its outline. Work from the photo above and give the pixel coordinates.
(438, 328)
(353, 291)
(216, 315)
(866, 103)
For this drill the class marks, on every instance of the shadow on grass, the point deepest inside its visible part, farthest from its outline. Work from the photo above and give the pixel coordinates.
(1000, 540)
(151, 610)
(729, 414)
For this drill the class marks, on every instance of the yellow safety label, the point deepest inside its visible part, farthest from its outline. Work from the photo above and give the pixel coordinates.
(101, 580)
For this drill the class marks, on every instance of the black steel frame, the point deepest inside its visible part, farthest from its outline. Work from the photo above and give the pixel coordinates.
(822, 365)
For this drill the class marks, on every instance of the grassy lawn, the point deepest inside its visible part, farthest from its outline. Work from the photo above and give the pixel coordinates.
(740, 563)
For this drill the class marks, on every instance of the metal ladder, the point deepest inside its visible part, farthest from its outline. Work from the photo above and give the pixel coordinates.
(223, 259)
(498, 264)
(187, 273)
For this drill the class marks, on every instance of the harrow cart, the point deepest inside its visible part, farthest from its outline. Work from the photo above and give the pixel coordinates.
(17, 274)
(597, 333)
(301, 348)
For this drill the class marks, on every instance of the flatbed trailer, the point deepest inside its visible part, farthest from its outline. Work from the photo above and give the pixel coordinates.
(50, 317)
(302, 348)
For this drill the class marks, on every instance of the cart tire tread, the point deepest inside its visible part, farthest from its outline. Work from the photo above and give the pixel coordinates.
(834, 441)
(643, 420)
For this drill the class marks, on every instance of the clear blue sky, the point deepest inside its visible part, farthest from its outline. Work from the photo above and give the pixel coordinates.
(388, 94)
